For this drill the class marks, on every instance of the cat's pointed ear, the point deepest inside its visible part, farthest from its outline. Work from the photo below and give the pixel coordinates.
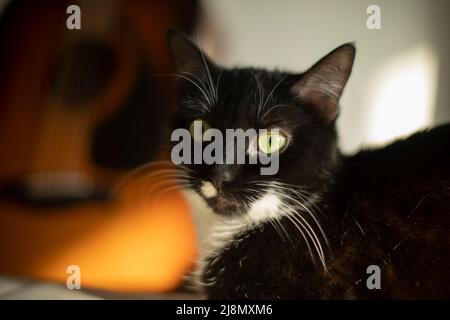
(186, 55)
(322, 85)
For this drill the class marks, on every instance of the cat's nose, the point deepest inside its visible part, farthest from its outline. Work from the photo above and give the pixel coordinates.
(223, 174)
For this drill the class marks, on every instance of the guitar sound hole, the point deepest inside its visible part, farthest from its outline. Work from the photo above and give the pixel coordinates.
(83, 71)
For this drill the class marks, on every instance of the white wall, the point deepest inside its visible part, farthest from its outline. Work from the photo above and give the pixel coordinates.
(400, 73)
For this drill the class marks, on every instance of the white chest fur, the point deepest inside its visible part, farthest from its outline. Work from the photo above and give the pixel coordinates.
(220, 232)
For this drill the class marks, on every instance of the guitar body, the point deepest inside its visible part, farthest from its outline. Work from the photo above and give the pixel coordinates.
(78, 109)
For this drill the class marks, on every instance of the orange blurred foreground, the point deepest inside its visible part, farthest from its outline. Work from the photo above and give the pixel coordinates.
(129, 244)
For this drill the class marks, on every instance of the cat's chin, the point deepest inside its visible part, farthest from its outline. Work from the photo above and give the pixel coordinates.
(225, 207)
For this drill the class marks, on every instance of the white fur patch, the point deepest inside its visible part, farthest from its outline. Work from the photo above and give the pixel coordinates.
(225, 230)
(208, 189)
(265, 208)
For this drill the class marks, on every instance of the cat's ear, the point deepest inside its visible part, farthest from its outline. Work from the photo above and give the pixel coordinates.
(186, 55)
(323, 83)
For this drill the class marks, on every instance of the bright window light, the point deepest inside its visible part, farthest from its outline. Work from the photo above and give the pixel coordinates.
(403, 99)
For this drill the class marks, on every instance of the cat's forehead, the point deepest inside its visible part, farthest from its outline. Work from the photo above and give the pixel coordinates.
(251, 79)
(244, 94)
(240, 98)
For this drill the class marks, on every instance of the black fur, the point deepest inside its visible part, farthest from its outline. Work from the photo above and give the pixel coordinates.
(388, 207)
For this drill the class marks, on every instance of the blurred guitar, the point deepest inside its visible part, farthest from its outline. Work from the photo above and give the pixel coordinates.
(79, 108)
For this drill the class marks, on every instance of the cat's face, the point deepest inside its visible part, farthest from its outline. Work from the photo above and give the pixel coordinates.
(302, 107)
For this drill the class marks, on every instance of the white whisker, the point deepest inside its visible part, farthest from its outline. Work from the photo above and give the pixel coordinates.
(260, 91)
(295, 202)
(302, 234)
(212, 92)
(270, 94)
(191, 81)
(137, 170)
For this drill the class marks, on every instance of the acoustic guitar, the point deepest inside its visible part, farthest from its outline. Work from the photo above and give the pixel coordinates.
(78, 109)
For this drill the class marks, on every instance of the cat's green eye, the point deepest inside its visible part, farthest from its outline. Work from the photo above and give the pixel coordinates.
(271, 141)
(197, 136)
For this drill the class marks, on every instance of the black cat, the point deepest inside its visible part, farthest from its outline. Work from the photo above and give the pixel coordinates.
(325, 226)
